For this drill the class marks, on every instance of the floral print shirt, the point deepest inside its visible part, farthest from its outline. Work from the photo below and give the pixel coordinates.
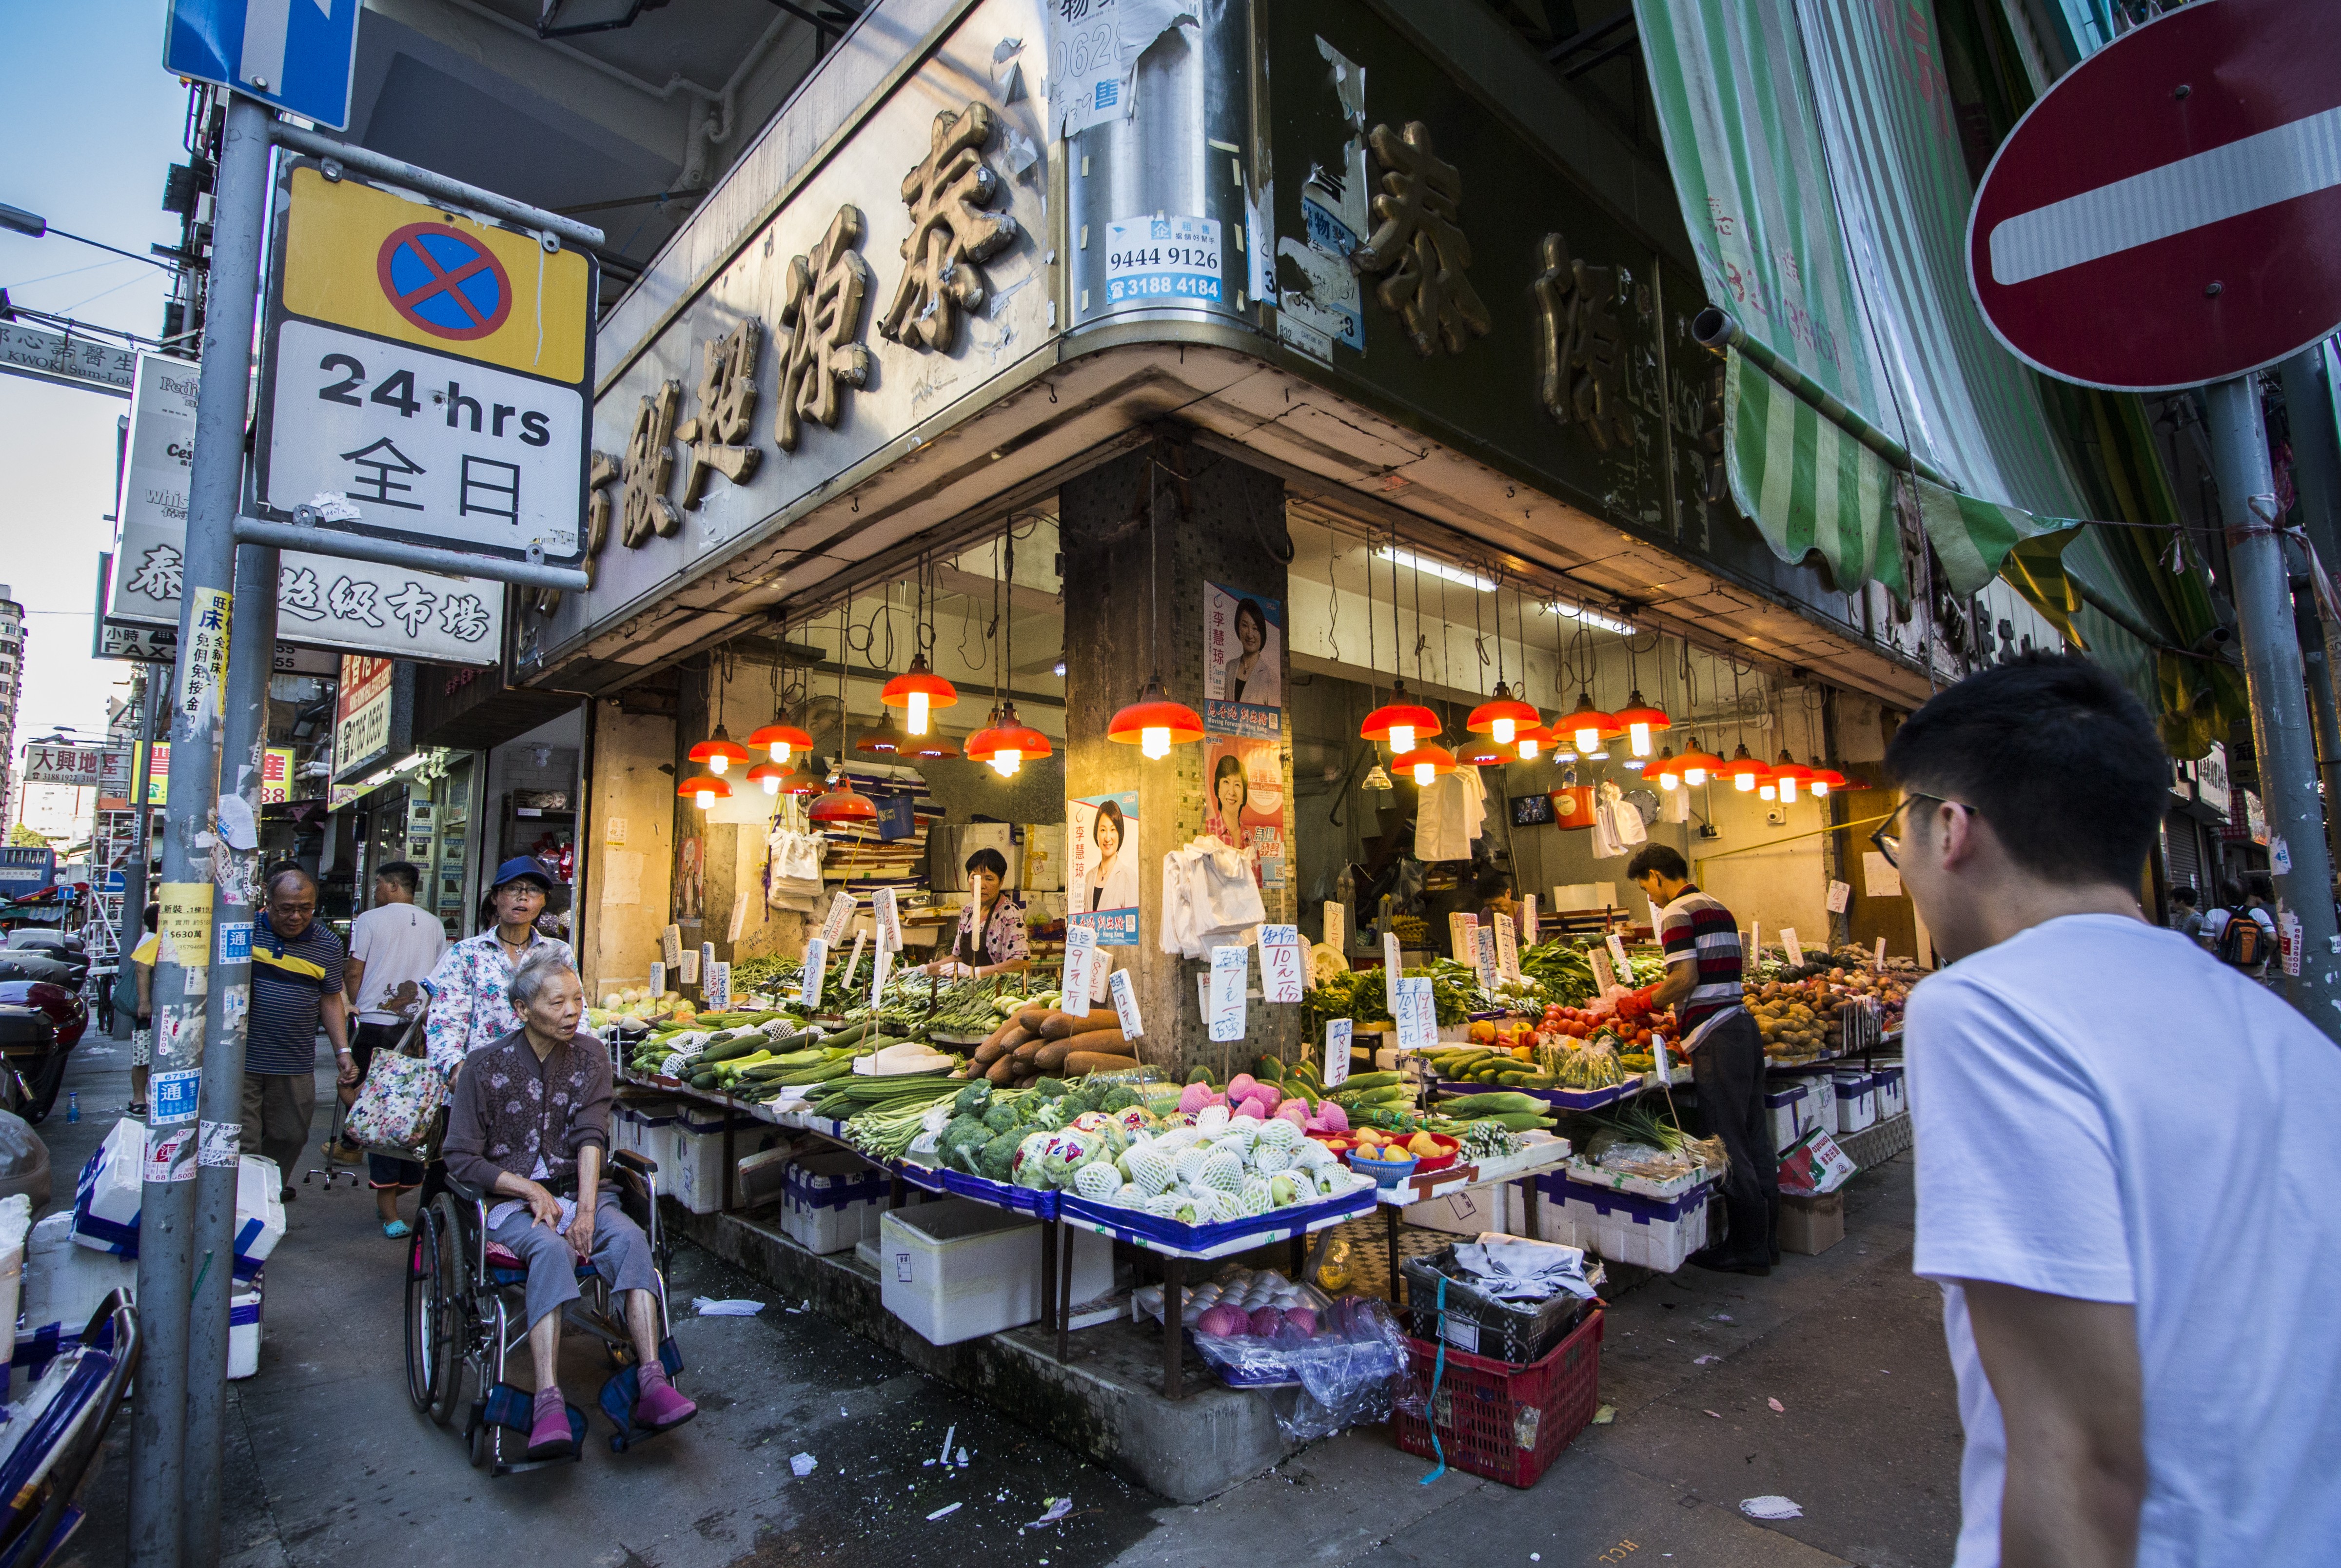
(515, 1112)
(470, 1007)
(1004, 941)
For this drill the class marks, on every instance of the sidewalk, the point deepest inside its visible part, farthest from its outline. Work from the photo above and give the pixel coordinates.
(328, 1464)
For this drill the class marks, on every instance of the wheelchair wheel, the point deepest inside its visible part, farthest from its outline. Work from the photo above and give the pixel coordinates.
(438, 1308)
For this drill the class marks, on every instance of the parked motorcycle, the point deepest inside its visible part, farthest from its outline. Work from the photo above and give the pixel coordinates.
(41, 1021)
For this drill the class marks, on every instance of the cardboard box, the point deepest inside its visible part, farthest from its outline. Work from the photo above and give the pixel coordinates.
(1811, 1224)
(1814, 1166)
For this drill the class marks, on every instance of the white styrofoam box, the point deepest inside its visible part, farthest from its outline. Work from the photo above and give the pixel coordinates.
(1823, 1088)
(831, 1202)
(646, 1127)
(1655, 1233)
(15, 1230)
(694, 1177)
(1857, 1100)
(1893, 1092)
(63, 1285)
(107, 1197)
(1468, 1213)
(1789, 1104)
(244, 1333)
(762, 1177)
(959, 1269)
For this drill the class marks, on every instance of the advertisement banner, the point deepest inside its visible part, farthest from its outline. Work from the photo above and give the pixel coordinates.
(1101, 852)
(1243, 663)
(1243, 802)
(276, 775)
(78, 766)
(362, 712)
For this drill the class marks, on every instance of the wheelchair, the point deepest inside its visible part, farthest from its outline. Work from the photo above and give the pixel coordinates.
(466, 1310)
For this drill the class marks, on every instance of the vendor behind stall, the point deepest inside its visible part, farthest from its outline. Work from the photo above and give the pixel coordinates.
(1701, 939)
(990, 938)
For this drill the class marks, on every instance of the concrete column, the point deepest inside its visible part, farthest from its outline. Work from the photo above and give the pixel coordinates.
(1213, 520)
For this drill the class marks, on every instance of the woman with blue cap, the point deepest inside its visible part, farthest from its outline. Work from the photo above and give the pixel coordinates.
(471, 1007)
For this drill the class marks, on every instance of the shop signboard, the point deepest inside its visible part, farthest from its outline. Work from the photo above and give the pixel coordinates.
(2211, 786)
(1101, 854)
(362, 715)
(320, 600)
(155, 765)
(85, 362)
(79, 766)
(117, 778)
(276, 775)
(142, 643)
(26, 870)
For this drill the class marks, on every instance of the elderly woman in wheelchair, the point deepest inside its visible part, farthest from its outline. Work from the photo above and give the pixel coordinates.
(528, 1131)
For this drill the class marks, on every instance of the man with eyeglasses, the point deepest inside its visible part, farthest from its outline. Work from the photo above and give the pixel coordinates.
(1719, 1035)
(2137, 1269)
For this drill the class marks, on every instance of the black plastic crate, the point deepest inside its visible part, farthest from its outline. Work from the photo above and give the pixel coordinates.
(1518, 1332)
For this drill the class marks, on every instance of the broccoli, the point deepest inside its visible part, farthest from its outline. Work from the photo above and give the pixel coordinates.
(999, 1116)
(972, 1098)
(960, 1140)
(996, 1161)
(1051, 1087)
(1119, 1097)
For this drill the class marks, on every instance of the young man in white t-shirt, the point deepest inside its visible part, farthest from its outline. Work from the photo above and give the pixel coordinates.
(2122, 1146)
(393, 947)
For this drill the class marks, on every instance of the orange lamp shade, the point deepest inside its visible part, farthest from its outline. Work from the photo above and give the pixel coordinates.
(1402, 721)
(1667, 769)
(932, 747)
(1484, 751)
(1425, 763)
(782, 740)
(917, 691)
(842, 806)
(1745, 771)
(704, 789)
(800, 784)
(1639, 720)
(882, 740)
(1823, 780)
(769, 775)
(719, 752)
(1697, 766)
(1531, 740)
(1006, 741)
(1584, 725)
(1502, 716)
(1155, 724)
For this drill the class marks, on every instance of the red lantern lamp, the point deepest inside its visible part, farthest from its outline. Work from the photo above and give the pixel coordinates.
(917, 691)
(1155, 724)
(1402, 721)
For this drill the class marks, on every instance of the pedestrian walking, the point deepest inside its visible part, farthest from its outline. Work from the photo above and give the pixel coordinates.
(1701, 939)
(142, 1018)
(2136, 1280)
(296, 990)
(2237, 932)
(470, 1007)
(2185, 918)
(394, 948)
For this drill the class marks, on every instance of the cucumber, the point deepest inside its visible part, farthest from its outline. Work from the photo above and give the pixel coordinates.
(1361, 1082)
(724, 1050)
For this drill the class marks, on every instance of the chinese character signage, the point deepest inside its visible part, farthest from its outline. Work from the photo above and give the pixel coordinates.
(276, 775)
(78, 766)
(363, 710)
(1243, 663)
(1102, 878)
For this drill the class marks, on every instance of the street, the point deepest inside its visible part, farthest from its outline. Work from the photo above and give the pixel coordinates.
(328, 1463)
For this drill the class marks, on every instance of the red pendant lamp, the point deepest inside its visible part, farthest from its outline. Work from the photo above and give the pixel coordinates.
(1744, 770)
(842, 806)
(917, 691)
(931, 748)
(1584, 725)
(882, 742)
(1006, 741)
(769, 775)
(1527, 743)
(1402, 722)
(1823, 780)
(1666, 769)
(718, 751)
(800, 784)
(1155, 724)
(782, 741)
(1425, 763)
(1502, 716)
(1482, 751)
(703, 790)
(1639, 720)
(1697, 767)
(1788, 773)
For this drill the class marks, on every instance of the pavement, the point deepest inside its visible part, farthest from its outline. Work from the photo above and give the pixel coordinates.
(328, 1463)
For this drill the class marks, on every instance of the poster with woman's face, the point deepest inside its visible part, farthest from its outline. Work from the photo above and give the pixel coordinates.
(1243, 658)
(1244, 802)
(1101, 866)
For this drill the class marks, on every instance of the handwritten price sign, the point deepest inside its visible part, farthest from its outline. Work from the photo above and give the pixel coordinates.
(1280, 963)
(816, 963)
(1080, 954)
(1337, 1052)
(1416, 1014)
(1231, 969)
(1124, 991)
(841, 916)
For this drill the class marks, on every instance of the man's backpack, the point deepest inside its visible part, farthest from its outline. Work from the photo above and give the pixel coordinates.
(2242, 943)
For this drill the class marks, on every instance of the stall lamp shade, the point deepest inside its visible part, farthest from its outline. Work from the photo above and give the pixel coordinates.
(1155, 724)
(1697, 766)
(1823, 780)
(1745, 773)
(719, 752)
(768, 774)
(842, 805)
(1531, 740)
(1402, 721)
(1667, 770)
(800, 784)
(782, 741)
(1585, 725)
(881, 739)
(1425, 763)
(704, 790)
(1375, 779)
(917, 691)
(1640, 721)
(1482, 751)
(933, 746)
(1788, 773)
(1502, 716)
(1007, 741)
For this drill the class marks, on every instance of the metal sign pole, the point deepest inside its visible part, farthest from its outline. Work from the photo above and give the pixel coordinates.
(237, 897)
(165, 1270)
(2317, 471)
(2277, 684)
(151, 681)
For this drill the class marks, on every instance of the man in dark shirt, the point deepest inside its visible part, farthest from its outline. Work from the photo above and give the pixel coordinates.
(296, 986)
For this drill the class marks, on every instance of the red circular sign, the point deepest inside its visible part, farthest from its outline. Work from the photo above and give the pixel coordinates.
(444, 281)
(2169, 213)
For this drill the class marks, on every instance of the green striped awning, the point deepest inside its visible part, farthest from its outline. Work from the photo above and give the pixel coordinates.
(1807, 482)
(1972, 537)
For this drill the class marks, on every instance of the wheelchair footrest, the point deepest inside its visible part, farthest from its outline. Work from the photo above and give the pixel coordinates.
(619, 1393)
(515, 1410)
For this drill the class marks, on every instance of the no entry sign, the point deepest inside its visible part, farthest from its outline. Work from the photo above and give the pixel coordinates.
(2169, 213)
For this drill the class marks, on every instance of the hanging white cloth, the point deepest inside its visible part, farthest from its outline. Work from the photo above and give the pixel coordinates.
(1675, 806)
(1606, 844)
(1446, 817)
(1624, 817)
(1208, 899)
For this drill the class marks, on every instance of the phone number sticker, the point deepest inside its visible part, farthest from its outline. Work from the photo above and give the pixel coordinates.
(1163, 258)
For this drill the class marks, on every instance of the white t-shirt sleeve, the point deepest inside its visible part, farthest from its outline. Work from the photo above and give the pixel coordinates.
(2016, 1175)
(362, 937)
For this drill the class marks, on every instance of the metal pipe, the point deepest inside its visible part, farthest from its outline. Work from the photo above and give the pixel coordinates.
(214, 481)
(150, 680)
(2277, 684)
(366, 161)
(1719, 329)
(236, 898)
(2316, 474)
(392, 553)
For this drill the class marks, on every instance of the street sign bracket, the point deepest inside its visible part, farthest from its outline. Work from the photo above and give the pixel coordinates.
(317, 540)
(487, 204)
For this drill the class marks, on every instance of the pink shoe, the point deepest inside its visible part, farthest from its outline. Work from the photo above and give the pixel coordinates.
(661, 1407)
(549, 1437)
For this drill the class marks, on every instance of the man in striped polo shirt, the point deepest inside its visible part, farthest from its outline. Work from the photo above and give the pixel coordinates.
(1727, 1052)
(296, 986)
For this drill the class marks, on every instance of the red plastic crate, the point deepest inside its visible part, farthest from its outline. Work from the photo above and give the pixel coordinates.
(1501, 1421)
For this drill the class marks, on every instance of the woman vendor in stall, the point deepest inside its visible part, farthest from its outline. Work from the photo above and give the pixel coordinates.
(991, 937)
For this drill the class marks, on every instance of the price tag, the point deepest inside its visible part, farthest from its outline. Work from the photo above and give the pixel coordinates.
(841, 916)
(853, 963)
(707, 959)
(671, 946)
(1618, 957)
(1795, 949)
(739, 916)
(1337, 925)
(687, 972)
(1081, 952)
(1658, 1056)
(1417, 1015)
(1603, 977)
(1124, 991)
(719, 987)
(1528, 921)
(1507, 948)
(1338, 1033)
(1231, 969)
(816, 967)
(658, 977)
(890, 921)
(1483, 957)
(1280, 963)
(880, 972)
(1390, 970)
(1459, 936)
(1754, 940)
(1840, 894)
(1878, 960)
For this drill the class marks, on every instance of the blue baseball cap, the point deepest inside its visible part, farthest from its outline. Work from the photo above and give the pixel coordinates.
(527, 866)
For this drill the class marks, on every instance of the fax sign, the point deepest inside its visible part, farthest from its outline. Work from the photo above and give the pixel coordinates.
(295, 54)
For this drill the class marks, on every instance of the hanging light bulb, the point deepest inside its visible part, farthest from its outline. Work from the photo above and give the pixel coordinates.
(1697, 766)
(784, 741)
(1155, 724)
(1482, 751)
(1006, 741)
(719, 752)
(1788, 773)
(1745, 771)
(1502, 717)
(843, 805)
(1375, 779)
(1823, 780)
(1667, 770)
(1585, 725)
(704, 790)
(917, 691)
(768, 774)
(1531, 740)
(1425, 763)
(1402, 721)
(1639, 719)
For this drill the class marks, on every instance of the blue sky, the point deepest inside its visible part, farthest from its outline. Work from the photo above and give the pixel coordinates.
(89, 124)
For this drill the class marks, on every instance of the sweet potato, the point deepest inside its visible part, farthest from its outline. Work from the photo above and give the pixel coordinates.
(1003, 1072)
(1031, 1019)
(1025, 1053)
(1064, 1026)
(1098, 1042)
(1098, 1062)
(1000, 1033)
(987, 1055)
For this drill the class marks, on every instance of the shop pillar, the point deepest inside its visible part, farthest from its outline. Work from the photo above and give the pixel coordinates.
(1208, 520)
